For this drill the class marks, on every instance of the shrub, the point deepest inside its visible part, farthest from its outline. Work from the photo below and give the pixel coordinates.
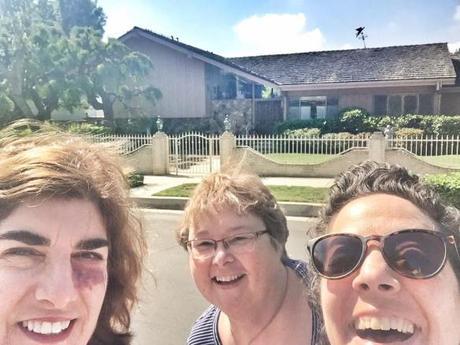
(446, 125)
(409, 132)
(447, 185)
(353, 120)
(135, 180)
(303, 132)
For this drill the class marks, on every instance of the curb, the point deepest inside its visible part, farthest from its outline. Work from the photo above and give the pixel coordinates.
(291, 209)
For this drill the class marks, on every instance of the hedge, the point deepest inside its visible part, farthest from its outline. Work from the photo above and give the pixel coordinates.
(447, 185)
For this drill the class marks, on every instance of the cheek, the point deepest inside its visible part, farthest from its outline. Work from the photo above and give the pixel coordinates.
(89, 277)
(337, 299)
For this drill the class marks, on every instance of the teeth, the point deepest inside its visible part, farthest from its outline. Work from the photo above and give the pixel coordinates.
(226, 279)
(384, 323)
(44, 327)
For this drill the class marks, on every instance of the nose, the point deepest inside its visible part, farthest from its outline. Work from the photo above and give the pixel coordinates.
(222, 254)
(55, 286)
(375, 276)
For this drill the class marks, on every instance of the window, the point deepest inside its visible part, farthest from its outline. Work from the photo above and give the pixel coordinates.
(293, 111)
(380, 105)
(425, 104)
(394, 105)
(312, 107)
(410, 104)
(403, 104)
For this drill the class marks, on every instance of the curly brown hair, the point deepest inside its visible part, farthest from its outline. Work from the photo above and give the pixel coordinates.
(49, 163)
(371, 177)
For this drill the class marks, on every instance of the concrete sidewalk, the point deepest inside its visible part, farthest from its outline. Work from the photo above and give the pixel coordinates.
(144, 198)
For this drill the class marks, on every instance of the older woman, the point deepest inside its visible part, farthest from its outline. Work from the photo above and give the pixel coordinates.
(70, 248)
(388, 260)
(235, 234)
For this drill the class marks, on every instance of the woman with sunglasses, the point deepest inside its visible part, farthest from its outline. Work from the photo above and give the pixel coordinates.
(387, 259)
(235, 234)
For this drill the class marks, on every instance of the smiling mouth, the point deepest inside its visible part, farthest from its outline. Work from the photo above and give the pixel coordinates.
(46, 327)
(384, 330)
(227, 280)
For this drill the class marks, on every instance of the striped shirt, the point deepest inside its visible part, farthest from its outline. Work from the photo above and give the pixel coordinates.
(204, 331)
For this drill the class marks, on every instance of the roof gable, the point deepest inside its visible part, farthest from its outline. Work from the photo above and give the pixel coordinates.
(200, 54)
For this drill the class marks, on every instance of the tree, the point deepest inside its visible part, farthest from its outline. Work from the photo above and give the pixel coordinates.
(110, 73)
(82, 13)
(43, 68)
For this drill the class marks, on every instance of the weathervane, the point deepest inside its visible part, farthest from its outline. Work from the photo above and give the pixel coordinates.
(360, 34)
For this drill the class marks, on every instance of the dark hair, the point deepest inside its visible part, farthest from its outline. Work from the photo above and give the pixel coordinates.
(47, 164)
(371, 177)
(242, 193)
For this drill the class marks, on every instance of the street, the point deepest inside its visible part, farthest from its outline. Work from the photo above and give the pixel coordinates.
(170, 303)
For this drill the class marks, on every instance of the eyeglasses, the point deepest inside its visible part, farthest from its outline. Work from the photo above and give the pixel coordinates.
(238, 244)
(413, 253)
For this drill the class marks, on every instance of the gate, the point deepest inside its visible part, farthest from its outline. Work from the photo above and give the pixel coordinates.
(193, 154)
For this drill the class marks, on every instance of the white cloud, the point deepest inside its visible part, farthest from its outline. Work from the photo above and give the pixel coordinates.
(276, 33)
(454, 46)
(457, 13)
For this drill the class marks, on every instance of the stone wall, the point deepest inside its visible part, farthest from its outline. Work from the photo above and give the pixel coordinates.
(239, 113)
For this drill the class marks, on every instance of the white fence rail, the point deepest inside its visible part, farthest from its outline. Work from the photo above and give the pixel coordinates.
(280, 144)
(429, 145)
(125, 143)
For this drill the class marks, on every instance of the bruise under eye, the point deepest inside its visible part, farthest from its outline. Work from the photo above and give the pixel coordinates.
(88, 277)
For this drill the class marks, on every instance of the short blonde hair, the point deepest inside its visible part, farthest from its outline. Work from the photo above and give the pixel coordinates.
(49, 163)
(241, 193)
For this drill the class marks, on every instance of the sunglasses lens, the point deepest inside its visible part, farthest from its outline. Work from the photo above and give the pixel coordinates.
(415, 254)
(337, 255)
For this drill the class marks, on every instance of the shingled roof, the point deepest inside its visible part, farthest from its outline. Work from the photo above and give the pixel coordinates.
(411, 62)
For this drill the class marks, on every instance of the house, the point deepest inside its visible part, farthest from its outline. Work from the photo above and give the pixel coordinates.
(418, 79)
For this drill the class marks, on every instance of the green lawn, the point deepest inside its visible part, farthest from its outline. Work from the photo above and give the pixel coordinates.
(450, 161)
(282, 193)
(299, 158)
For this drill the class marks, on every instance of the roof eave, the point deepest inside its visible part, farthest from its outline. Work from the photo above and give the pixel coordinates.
(437, 82)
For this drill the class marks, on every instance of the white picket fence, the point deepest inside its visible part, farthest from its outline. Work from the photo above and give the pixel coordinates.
(198, 154)
(194, 143)
(124, 143)
(275, 144)
(428, 145)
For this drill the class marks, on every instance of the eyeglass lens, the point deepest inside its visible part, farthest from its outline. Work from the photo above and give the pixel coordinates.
(415, 254)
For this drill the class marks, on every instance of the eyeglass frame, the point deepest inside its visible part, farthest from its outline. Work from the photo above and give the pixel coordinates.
(447, 239)
(224, 241)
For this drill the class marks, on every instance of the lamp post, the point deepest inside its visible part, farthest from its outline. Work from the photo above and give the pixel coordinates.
(227, 124)
(159, 124)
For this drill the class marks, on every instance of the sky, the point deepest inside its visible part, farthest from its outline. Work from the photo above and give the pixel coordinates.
(250, 27)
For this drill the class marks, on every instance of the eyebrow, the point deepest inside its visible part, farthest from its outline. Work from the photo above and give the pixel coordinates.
(33, 239)
(93, 243)
(26, 237)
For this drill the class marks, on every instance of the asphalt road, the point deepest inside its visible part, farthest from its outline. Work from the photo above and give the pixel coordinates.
(170, 302)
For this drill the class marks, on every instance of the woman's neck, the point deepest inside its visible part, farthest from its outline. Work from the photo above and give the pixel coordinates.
(246, 329)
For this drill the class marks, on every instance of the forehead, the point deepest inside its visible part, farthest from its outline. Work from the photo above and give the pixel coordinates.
(379, 214)
(224, 222)
(65, 219)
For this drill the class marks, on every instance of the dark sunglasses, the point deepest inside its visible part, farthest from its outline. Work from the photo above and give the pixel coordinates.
(413, 253)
